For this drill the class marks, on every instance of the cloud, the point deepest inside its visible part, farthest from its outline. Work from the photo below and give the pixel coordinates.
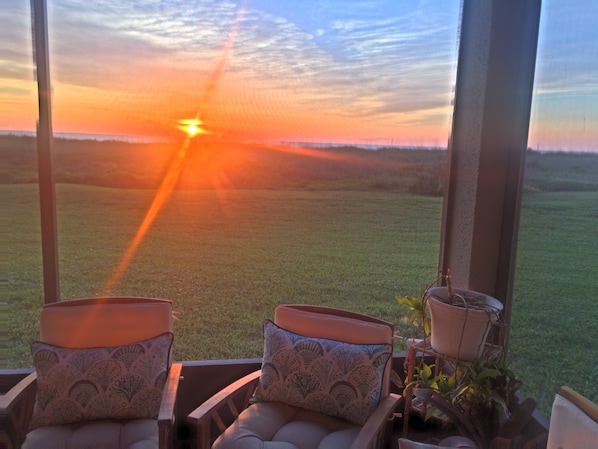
(386, 62)
(16, 61)
(347, 58)
(14, 91)
(356, 61)
(13, 70)
(567, 47)
(380, 61)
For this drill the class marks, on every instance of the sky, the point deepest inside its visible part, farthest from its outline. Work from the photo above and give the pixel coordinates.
(351, 71)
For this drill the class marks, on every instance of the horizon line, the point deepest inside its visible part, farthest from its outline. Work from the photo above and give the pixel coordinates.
(364, 144)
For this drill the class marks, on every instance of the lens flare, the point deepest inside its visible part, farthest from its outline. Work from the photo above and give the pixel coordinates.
(192, 127)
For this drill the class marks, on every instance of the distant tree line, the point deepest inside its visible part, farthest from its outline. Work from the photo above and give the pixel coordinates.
(232, 165)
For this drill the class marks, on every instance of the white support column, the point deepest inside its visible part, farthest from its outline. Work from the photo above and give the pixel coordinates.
(495, 73)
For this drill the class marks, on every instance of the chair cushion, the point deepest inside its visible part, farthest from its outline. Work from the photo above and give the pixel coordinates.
(326, 376)
(452, 441)
(276, 425)
(121, 382)
(136, 434)
(570, 427)
(74, 323)
(335, 324)
(408, 444)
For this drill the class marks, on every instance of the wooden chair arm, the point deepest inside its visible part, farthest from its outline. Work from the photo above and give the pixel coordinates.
(376, 423)
(16, 408)
(166, 415)
(583, 403)
(220, 408)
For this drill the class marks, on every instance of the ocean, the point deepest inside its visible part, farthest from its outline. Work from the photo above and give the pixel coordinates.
(83, 136)
(146, 139)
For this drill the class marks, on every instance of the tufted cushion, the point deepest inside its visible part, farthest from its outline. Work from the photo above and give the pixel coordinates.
(121, 382)
(276, 425)
(327, 376)
(136, 434)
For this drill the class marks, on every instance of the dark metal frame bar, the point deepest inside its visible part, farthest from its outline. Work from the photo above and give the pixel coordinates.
(47, 195)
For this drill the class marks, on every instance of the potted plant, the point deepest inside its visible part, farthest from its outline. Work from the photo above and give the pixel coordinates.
(457, 320)
(483, 403)
(478, 392)
(478, 398)
(427, 381)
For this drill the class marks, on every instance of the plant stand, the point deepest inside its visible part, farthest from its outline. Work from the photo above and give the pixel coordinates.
(422, 349)
(521, 432)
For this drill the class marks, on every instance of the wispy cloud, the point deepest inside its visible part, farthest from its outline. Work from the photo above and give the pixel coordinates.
(355, 58)
(390, 63)
(377, 60)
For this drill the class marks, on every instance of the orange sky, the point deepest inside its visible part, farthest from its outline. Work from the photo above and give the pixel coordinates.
(237, 109)
(264, 71)
(246, 72)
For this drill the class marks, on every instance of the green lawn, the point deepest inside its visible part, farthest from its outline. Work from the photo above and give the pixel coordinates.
(227, 258)
(554, 328)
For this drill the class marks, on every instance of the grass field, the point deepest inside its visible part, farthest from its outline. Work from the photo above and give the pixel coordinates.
(227, 257)
(554, 327)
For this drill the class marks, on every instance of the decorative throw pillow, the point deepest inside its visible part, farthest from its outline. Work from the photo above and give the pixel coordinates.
(123, 382)
(327, 376)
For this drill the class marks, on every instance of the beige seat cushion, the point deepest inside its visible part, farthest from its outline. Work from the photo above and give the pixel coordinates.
(570, 427)
(281, 426)
(137, 434)
(408, 444)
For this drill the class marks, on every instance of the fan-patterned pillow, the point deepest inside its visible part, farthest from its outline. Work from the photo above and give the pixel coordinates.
(327, 376)
(123, 382)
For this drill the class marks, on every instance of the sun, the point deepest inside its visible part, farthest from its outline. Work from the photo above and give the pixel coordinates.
(192, 130)
(192, 127)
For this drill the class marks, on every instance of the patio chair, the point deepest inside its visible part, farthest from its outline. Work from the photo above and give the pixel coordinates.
(573, 421)
(103, 378)
(324, 383)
